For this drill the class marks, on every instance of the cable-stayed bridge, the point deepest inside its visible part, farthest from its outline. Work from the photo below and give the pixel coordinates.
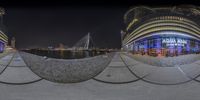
(85, 43)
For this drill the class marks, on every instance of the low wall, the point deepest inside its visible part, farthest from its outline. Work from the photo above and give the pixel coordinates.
(66, 71)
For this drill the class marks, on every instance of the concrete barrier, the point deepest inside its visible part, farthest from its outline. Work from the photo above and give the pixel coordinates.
(66, 71)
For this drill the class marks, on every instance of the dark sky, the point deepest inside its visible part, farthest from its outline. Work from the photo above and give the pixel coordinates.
(41, 24)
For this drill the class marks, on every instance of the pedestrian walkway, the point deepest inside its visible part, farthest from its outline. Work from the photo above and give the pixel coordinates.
(4, 61)
(125, 69)
(14, 70)
(166, 75)
(116, 72)
(142, 82)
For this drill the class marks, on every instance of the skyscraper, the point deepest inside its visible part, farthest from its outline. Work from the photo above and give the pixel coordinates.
(13, 42)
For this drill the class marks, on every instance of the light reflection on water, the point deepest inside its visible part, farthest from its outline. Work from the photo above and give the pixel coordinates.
(66, 54)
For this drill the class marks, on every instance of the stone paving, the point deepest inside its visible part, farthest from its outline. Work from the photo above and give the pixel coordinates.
(141, 82)
(66, 71)
(93, 90)
(116, 72)
(17, 61)
(167, 61)
(15, 70)
(124, 69)
(166, 75)
(4, 61)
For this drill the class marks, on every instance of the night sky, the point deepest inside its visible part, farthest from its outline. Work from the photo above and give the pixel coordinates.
(42, 24)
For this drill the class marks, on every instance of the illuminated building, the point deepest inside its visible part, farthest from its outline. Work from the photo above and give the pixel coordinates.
(162, 31)
(61, 46)
(13, 42)
(3, 36)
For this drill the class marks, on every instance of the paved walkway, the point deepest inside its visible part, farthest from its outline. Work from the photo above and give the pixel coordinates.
(140, 82)
(4, 61)
(94, 90)
(116, 72)
(124, 69)
(14, 70)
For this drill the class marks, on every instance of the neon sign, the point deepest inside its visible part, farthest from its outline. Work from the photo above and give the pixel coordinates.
(174, 41)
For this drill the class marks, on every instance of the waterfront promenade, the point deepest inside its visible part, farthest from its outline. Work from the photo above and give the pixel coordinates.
(123, 79)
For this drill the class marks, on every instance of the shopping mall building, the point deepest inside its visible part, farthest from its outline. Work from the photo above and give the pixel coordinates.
(3, 36)
(162, 31)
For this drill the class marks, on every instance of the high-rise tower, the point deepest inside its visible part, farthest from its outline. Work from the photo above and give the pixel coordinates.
(13, 42)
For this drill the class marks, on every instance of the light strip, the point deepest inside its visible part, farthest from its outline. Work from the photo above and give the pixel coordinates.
(164, 21)
(161, 24)
(168, 33)
(162, 29)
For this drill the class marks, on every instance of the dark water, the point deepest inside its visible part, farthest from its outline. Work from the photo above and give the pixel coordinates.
(66, 54)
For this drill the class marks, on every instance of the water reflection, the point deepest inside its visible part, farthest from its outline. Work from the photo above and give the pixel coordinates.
(61, 54)
(66, 54)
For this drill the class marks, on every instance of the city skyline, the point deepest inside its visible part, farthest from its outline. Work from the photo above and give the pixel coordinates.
(43, 24)
(100, 50)
(66, 26)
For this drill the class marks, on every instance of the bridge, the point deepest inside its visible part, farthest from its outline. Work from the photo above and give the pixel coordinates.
(84, 43)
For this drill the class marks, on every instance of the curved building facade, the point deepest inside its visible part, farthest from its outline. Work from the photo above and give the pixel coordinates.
(3, 41)
(3, 36)
(163, 31)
